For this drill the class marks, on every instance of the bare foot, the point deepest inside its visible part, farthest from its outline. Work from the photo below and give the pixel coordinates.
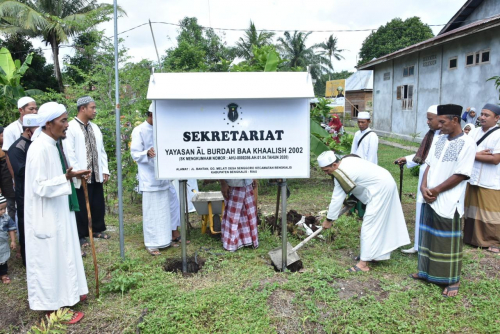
(451, 290)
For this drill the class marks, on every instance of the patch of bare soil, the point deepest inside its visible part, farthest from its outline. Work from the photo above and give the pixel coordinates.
(355, 288)
(488, 266)
(284, 311)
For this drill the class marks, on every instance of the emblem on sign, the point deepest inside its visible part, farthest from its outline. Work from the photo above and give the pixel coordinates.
(232, 114)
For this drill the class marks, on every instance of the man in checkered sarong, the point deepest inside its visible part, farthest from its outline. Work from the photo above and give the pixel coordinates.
(239, 222)
(449, 166)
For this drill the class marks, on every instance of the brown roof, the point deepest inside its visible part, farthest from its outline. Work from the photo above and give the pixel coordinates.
(466, 30)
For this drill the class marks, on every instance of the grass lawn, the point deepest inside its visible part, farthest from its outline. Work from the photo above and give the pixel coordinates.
(241, 293)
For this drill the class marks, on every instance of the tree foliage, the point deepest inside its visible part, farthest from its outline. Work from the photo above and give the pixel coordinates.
(395, 35)
(329, 48)
(252, 38)
(39, 75)
(297, 55)
(198, 49)
(54, 21)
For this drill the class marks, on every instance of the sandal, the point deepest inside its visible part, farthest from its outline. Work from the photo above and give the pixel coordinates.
(84, 242)
(178, 239)
(417, 278)
(5, 279)
(450, 288)
(84, 254)
(494, 249)
(153, 251)
(100, 235)
(355, 269)
(75, 317)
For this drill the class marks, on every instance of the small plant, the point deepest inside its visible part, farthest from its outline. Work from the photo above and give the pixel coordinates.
(55, 323)
(122, 282)
(414, 136)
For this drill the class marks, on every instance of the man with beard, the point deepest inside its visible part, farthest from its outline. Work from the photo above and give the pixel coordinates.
(84, 148)
(54, 267)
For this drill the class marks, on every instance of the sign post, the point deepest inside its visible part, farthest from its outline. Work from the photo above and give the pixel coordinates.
(250, 125)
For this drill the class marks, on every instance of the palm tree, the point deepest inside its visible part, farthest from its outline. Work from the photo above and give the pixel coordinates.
(330, 48)
(55, 21)
(252, 37)
(293, 48)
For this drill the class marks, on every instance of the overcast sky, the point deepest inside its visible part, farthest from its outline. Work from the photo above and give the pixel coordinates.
(268, 14)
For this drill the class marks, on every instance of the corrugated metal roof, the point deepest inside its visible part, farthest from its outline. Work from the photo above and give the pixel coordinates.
(235, 85)
(469, 29)
(461, 16)
(360, 80)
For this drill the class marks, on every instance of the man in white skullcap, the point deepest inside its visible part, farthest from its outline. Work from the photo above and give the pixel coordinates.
(384, 228)
(54, 267)
(84, 148)
(26, 105)
(418, 159)
(365, 142)
(17, 155)
(160, 205)
(482, 198)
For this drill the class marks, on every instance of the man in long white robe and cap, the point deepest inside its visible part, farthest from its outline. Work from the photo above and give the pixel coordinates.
(160, 205)
(54, 266)
(365, 142)
(384, 228)
(418, 159)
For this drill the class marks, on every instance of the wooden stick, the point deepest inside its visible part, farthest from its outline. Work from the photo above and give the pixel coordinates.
(91, 236)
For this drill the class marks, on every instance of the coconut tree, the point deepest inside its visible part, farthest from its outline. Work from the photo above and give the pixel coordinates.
(330, 49)
(293, 48)
(55, 21)
(252, 38)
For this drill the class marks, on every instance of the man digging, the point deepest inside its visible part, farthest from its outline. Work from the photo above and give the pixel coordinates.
(384, 228)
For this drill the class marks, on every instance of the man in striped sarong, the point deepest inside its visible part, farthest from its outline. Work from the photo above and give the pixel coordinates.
(239, 222)
(482, 200)
(449, 166)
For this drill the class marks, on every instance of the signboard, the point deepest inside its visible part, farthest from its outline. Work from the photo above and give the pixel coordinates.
(232, 138)
(335, 90)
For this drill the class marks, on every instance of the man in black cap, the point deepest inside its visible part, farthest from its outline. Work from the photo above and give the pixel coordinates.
(449, 166)
(482, 200)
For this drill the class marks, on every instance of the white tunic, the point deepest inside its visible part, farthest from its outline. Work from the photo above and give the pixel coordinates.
(446, 158)
(142, 141)
(160, 206)
(369, 146)
(384, 228)
(11, 133)
(483, 174)
(420, 198)
(76, 151)
(54, 266)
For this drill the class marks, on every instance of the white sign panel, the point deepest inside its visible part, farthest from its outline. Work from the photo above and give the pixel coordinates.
(232, 138)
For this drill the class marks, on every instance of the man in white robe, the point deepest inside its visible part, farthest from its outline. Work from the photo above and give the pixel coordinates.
(365, 142)
(419, 160)
(160, 206)
(54, 266)
(383, 229)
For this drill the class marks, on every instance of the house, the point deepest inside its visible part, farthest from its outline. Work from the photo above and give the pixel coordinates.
(452, 67)
(359, 93)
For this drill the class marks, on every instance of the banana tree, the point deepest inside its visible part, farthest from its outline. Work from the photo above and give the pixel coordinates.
(11, 73)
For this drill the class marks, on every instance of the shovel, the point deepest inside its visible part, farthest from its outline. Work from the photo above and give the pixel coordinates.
(292, 256)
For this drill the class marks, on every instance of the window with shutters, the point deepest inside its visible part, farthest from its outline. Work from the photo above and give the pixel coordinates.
(405, 94)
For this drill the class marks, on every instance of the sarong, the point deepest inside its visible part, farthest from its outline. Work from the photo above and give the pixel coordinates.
(156, 219)
(239, 222)
(440, 247)
(482, 217)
